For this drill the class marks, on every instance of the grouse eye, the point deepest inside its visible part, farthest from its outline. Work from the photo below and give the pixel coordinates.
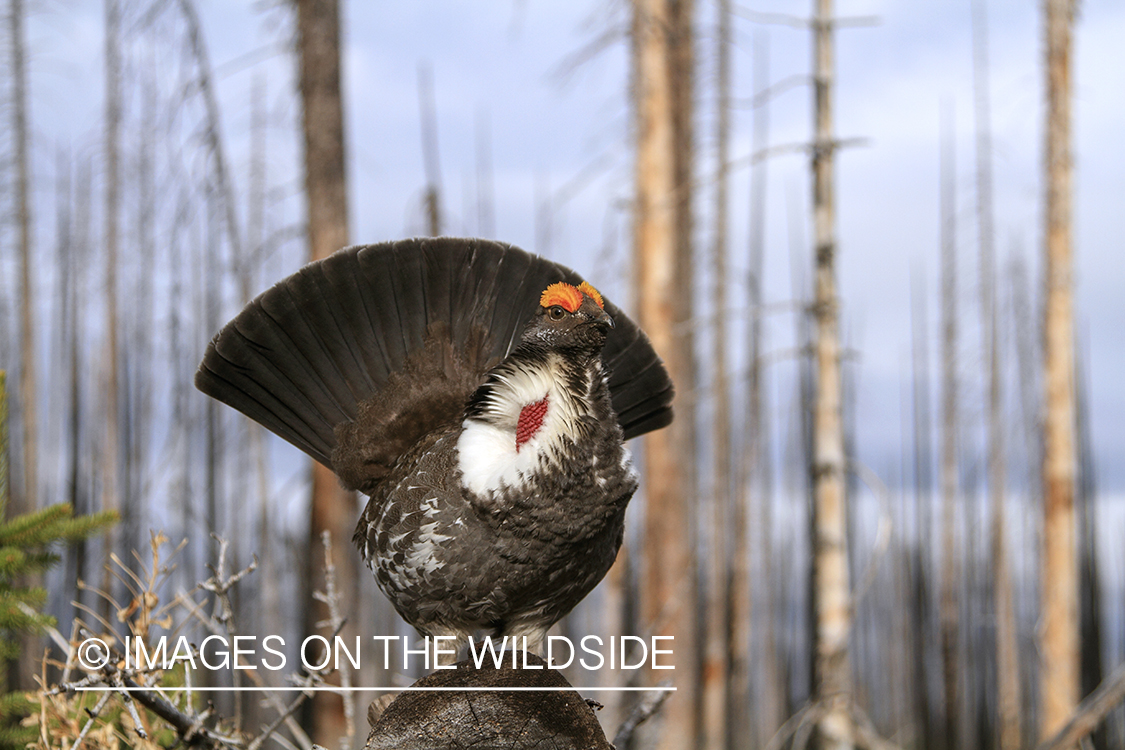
(556, 312)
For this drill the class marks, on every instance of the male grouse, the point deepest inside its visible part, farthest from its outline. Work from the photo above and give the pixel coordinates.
(480, 396)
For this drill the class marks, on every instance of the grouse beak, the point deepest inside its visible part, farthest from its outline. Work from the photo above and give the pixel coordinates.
(605, 320)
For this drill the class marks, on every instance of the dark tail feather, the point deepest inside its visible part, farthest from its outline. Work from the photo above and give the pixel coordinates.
(638, 383)
(304, 356)
(256, 367)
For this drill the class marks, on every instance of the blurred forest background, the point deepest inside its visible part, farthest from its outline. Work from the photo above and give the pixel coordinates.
(882, 525)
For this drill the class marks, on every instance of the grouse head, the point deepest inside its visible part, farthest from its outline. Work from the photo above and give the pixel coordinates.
(570, 318)
(557, 361)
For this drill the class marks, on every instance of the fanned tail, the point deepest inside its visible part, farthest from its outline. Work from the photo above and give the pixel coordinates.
(355, 357)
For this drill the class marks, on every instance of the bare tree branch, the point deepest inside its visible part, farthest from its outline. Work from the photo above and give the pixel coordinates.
(1090, 713)
(642, 712)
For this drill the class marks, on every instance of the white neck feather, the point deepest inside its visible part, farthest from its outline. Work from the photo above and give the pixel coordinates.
(487, 454)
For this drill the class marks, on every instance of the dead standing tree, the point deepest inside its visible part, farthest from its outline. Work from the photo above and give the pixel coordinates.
(110, 450)
(1059, 674)
(25, 499)
(1007, 661)
(832, 594)
(951, 548)
(427, 110)
(716, 686)
(753, 507)
(661, 48)
(318, 48)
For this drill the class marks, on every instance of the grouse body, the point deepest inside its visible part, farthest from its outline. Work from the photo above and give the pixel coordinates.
(480, 396)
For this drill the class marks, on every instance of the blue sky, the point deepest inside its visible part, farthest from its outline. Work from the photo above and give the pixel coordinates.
(501, 63)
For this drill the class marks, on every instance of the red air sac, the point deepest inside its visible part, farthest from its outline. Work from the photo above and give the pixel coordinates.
(531, 419)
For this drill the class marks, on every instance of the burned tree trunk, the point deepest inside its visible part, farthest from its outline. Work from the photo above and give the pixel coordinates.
(111, 449)
(22, 669)
(662, 256)
(715, 650)
(428, 112)
(951, 548)
(755, 476)
(1007, 662)
(332, 508)
(25, 499)
(318, 32)
(832, 593)
(1059, 672)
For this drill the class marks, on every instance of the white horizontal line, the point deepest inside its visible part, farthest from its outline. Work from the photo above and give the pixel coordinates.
(329, 689)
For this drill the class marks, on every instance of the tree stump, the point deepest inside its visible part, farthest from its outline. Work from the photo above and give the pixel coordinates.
(486, 720)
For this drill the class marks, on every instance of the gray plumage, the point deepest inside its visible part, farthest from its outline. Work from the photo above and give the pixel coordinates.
(405, 368)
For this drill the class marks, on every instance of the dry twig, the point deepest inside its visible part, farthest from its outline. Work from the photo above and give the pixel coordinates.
(642, 712)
